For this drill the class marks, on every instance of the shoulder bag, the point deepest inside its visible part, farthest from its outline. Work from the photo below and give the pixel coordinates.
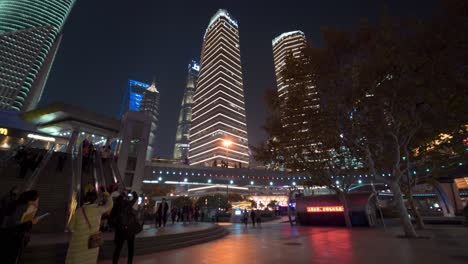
(95, 240)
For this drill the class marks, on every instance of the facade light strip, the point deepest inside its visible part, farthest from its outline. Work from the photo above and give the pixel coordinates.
(217, 123)
(219, 130)
(216, 148)
(218, 139)
(219, 156)
(215, 116)
(219, 98)
(214, 107)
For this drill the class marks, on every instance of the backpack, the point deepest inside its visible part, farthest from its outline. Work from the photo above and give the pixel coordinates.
(127, 221)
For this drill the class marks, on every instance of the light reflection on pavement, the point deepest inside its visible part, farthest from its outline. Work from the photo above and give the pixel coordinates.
(281, 243)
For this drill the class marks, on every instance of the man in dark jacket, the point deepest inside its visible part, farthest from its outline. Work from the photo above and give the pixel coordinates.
(161, 213)
(126, 225)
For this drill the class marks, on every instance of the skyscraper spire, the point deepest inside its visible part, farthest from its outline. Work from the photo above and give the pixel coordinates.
(181, 148)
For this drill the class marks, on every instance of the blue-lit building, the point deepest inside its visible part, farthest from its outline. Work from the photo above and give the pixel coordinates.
(143, 97)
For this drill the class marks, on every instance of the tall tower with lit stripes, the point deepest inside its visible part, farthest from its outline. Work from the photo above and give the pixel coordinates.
(29, 40)
(218, 134)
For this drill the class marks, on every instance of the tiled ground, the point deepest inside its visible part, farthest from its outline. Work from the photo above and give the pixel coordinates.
(280, 243)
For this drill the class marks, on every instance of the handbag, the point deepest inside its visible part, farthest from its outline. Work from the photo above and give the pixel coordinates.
(95, 240)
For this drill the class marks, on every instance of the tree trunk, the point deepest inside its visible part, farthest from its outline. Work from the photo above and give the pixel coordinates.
(344, 201)
(416, 214)
(404, 217)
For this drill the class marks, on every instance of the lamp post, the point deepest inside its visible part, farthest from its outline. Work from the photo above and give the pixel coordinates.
(226, 144)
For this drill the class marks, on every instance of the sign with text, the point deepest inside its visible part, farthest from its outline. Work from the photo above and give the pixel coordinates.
(325, 209)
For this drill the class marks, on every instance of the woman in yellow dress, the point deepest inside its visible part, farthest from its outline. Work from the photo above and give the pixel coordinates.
(78, 251)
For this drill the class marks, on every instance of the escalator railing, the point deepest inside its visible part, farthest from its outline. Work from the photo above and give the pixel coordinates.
(99, 171)
(30, 183)
(116, 174)
(75, 185)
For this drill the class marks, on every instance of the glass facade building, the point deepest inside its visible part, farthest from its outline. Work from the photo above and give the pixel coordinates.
(218, 132)
(30, 36)
(143, 97)
(181, 148)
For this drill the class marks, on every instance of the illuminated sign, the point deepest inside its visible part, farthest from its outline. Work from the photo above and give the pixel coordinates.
(325, 209)
(3, 131)
(39, 137)
(195, 67)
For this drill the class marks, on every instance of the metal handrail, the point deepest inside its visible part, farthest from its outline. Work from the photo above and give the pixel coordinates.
(116, 173)
(33, 178)
(98, 162)
(75, 184)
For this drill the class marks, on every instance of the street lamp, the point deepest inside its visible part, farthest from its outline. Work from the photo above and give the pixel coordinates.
(226, 144)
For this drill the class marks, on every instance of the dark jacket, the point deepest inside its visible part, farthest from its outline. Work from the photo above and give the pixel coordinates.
(162, 210)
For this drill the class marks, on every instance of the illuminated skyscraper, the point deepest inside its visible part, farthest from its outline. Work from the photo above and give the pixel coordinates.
(181, 148)
(142, 97)
(287, 44)
(284, 46)
(219, 131)
(29, 39)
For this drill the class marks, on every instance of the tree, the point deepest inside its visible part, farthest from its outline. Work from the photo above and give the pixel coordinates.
(384, 90)
(180, 201)
(213, 201)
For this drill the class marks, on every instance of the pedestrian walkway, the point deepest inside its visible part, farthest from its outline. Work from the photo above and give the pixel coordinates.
(51, 248)
(148, 231)
(281, 243)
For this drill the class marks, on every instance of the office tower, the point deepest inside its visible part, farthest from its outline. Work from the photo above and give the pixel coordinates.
(142, 97)
(286, 45)
(181, 148)
(29, 40)
(219, 132)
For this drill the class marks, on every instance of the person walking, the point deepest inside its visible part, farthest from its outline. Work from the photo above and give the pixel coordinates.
(252, 217)
(16, 228)
(84, 226)
(185, 213)
(126, 225)
(161, 213)
(245, 217)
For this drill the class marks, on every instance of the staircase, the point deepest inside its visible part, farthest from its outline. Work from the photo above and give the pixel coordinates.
(54, 188)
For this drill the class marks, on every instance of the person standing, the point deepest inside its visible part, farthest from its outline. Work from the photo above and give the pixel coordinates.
(173, 214)
(17, 225)
(126, 226)
(252, 217)
(245, 217)
(7, 202)
(85, 223)
(161, 213)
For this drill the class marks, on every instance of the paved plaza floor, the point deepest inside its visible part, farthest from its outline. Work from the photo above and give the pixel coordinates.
(148, 231)
(281, 243)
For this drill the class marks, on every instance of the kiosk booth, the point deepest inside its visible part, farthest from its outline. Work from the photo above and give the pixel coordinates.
(328, 210)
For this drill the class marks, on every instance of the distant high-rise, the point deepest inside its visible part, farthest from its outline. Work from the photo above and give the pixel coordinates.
(29, 40)
(181, 148)
(142, 97)
(286, 45)
(218, 131)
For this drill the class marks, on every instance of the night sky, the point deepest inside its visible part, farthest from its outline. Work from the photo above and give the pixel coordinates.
(107, 42)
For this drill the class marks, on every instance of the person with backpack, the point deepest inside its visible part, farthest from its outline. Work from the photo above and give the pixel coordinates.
(126, 224)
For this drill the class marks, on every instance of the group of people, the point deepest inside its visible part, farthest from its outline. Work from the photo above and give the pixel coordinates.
(255, 218)
(27, 159)
(86, 224)
(184, 214)
(17, 216)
